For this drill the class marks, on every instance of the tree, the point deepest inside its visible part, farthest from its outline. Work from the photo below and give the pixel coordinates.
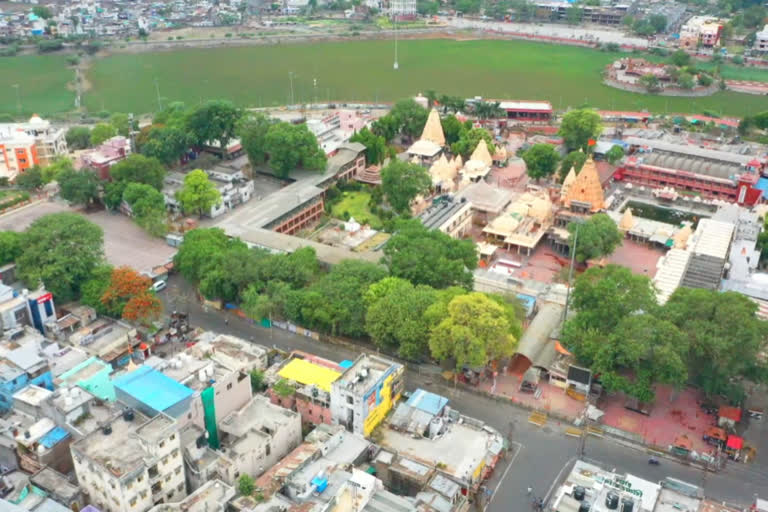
(573, 159)
(453, 128)
(148, 207)
(704, 80)
(79, 187)
(724, 335)
(121, 123)
(124, 284)
(60, 250)
(469, 140)
(427, 7)
(252, 130)
(680, 58)
(685, 81)
(376, 149)
(614, 154)
(50, 45)
(488, 110)
(429, 257)
(270, 304)
(93, 290)
(402, 182)
(754, 16)
(198, 194)
(143, 308)
(228, 273)
(198, 248)
(245, 485)
(334, 304)
(658, 22)
(165, 143)
(59, 166)
(31, 179)
(292, 147)
(579, 127)
(10, 246)
(650, 82)
(42, 12)
(410, 117)
(78, 137)
(257, 381)
(643, 27)
(102, 132)
(213, 122)
(475, 332)
(386, 126)
(573, 14)
(597, 237)
(139, 169)
(541, 161)
(395, 316)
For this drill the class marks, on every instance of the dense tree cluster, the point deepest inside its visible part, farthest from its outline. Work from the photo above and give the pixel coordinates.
(705, 337)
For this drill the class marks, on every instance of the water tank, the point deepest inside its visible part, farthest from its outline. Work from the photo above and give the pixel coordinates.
(612, 501)
(128, 415)
(201, 375)
(579, 492)
(40, 449)
(106, 430)
(627, 505)
(584, 507)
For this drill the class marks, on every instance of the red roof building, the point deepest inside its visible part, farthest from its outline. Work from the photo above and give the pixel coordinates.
(730, 413)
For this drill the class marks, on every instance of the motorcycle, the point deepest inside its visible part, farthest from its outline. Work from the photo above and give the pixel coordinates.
(653, 461)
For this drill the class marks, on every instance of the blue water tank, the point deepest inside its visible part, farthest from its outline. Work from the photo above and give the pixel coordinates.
(320, 483)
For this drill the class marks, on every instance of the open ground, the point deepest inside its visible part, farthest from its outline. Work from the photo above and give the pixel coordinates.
(348, 71)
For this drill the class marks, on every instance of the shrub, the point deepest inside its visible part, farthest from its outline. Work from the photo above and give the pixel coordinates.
(51, 45)
(9, 51)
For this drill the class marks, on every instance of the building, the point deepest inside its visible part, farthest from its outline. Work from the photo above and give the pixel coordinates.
(701, 30)
(527, 111)
(584, 193)
(23, 145)
(20, 494)
(59, 488)
(403, 9)
(487, 201)
(113, 342)
(151, 392)
(102, 158)
(311, 377)
(432, 436)
(450, 216)
(429, 147)
(711, 173)
(523, 224)
(761, 40)
(348, 161)
(363, 395)
(21, 364)
(257, 436)
(20, 308)
(93, 376)
(211, 497)
(132, 463)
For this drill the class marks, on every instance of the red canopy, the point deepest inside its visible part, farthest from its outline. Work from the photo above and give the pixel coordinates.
(732, 413)
(735, 443)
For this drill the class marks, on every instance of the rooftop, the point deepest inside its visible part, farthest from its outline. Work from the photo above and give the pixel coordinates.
(230, 352)
(308, 373)
(254, 415)
(54, 482)
(486, 197)
(211, 497)
(82, 372)
(152, 388)
(364, 373)
(435, 217)
(33, 395)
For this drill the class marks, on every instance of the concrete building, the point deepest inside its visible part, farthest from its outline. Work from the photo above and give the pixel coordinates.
(704, 30)
(523, 224)
(761, 40)
(365, 393)
(113, 342)
(132, 463)
(102, 158)
(151, 392)
(19, 308)
(59, 488)
(257, 436)
(93, 376)
(211, 497)
(23, 145)
(21, 364)
(452, 216)
(348, 161)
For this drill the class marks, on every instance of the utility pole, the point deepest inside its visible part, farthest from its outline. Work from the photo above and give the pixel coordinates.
(131, 132)
(394, 21)
(18, 97)
(570, 273)
(157, 89)
(290, 77)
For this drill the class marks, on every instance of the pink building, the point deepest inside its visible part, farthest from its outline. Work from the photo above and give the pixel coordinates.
(102, 158)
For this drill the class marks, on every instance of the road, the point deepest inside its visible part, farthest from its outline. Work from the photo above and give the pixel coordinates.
(538, 455)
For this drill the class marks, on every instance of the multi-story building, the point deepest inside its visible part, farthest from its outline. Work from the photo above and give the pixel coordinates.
(704, 30)
(23, 145)
(132, 463)
(21, 364)
(761, 40)
(363, 395)
(102, 158)
(453, 217)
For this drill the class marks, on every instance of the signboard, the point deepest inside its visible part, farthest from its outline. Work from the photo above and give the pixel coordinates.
(623, 485)
(44, 298)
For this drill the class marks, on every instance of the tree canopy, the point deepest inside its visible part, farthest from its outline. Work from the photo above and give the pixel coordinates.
(10, 246)
(139, 169)
(597, 237)
(614, 154)
(252, 130)
(575, 159)
(376, 148)
(410, 117)
(31, 179)
(475, 331)
(148, 207)
(78, 137)
(101, 132)
(468, 141)
(60, 250)
(292, 146)
(402, 182)
(165, 143)
(128, 293)
(198, 194)
(213, 122)
(578, 127)
(79, 187)
(429, 257)
(541, 161)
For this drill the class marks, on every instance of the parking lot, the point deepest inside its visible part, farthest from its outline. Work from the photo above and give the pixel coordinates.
(124, 242)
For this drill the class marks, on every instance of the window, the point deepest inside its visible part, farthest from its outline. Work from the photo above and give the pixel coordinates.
(269, 450)
(229, 386)
(350, 400)
(162, 443)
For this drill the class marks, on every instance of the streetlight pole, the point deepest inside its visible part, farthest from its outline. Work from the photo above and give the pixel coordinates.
(290, 77)
(570, 273)
(157, 90)
(394, 21)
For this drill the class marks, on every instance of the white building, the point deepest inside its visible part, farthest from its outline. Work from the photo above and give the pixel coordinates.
(257, 436)
(402, 8)
(761, 40)
(42, 144)
(131, 464)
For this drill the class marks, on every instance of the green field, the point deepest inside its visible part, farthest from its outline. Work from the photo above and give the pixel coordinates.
(356, 204)
(42, 84)
(348, 72)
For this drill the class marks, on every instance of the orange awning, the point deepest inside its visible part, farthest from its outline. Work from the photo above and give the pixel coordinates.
(561, 349)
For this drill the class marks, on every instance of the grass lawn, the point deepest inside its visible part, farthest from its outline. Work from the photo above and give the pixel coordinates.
(362, 71)
(42, 81)
(356, 204)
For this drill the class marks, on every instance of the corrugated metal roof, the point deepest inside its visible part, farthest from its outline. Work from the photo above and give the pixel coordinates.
(427, 402)
(53, 437)
(152, 388)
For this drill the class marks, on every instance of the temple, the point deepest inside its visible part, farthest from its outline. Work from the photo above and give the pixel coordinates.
(479, 164)
(585, 192)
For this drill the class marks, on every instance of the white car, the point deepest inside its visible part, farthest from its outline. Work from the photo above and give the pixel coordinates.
(159, 285)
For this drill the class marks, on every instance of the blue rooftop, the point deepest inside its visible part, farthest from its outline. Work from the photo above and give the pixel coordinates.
(427, 402)
(346, 364)
(56, 435)
(762, 184)
(152, 388)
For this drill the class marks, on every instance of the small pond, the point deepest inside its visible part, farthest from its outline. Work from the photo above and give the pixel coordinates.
(662, 214)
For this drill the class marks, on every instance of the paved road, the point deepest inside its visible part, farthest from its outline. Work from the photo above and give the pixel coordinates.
(539, 453)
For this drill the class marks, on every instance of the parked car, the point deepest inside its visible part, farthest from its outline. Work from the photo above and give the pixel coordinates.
(159, 286)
